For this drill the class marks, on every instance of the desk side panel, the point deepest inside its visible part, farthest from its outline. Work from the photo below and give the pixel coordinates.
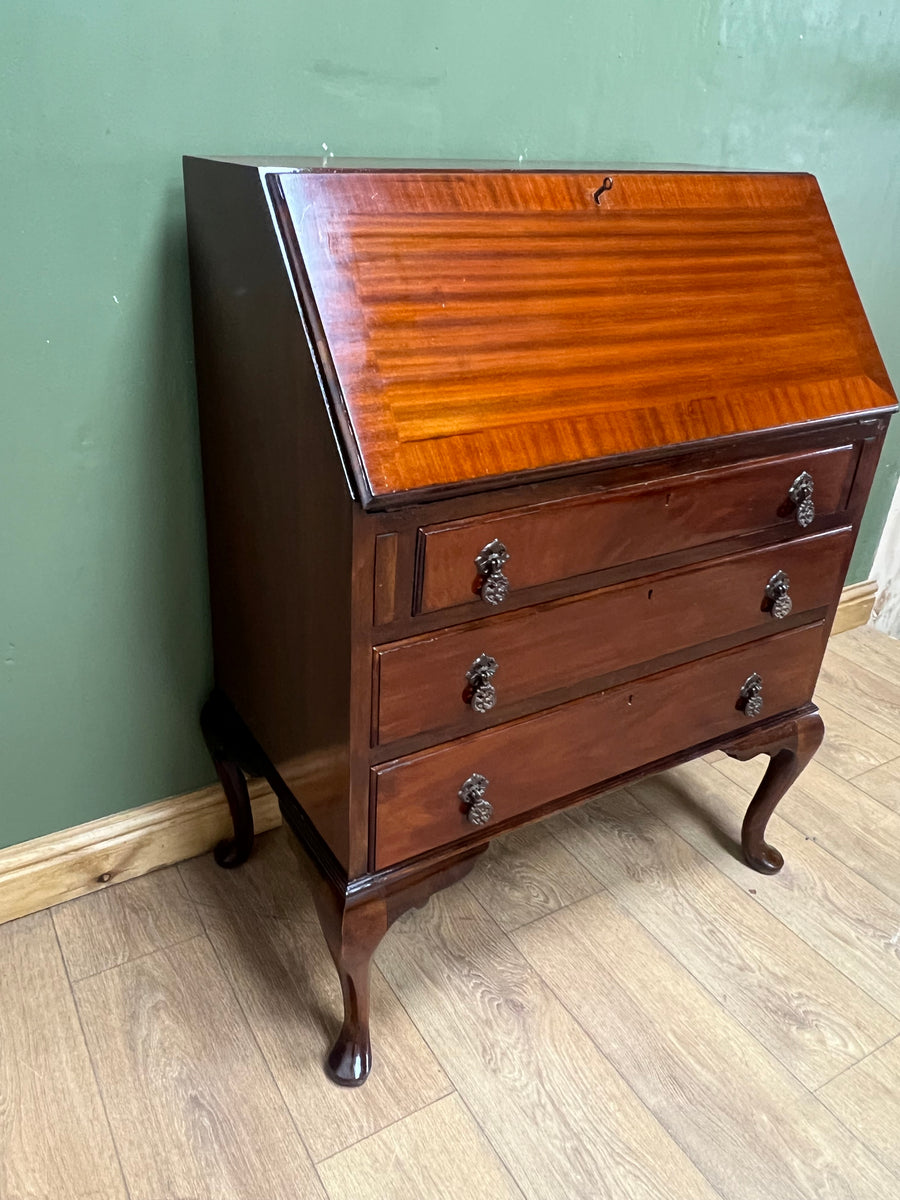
(278, 508)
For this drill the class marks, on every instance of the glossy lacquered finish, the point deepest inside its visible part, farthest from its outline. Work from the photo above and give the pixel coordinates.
(423, 683)
(564, 539)
(517, 490)
(478, 325)
(566, 750)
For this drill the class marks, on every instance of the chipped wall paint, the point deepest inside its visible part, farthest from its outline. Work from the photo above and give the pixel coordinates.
(103, 604)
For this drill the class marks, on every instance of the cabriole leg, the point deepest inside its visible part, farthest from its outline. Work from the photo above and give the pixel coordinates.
(233, 751)
(790, 747)
(353, 926)
(233, 851)
(352, 933)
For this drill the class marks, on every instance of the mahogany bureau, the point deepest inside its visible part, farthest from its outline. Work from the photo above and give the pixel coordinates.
(520, 484)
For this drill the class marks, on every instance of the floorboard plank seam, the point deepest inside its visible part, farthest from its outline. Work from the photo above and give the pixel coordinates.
(705, 987)
(610, 1064)
(774, 916)
(876, 1154)
(112, 1137)
(853, 1066)
(135, 957)
(252, 1032)
(653, 1116)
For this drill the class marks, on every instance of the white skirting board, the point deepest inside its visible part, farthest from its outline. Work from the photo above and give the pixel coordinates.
(61, 866)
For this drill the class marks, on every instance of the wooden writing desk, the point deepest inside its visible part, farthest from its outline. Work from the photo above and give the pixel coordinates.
(520, 485)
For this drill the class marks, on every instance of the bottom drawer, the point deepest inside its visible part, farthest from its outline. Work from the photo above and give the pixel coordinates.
(579, 745)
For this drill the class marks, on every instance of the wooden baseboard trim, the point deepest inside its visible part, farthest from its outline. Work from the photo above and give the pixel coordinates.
(855, 606)
(61, 866)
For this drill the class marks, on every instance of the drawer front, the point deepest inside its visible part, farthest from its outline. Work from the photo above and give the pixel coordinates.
(425, 683)
(563, 539)
(572, 748)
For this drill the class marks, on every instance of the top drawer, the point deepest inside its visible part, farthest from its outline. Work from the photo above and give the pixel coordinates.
(562, 539)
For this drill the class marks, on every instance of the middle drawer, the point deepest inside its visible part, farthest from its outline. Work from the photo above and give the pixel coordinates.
(431, 682)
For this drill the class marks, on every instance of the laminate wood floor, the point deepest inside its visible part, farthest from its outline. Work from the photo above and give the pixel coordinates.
(610, 1007)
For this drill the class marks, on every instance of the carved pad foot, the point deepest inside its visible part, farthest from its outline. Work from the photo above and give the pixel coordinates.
(768, 860)
(350, 1060)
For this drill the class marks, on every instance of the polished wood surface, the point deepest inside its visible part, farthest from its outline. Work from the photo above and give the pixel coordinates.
(567, 538)
(623, 383)
(280, 577)
(283, 973)
(858, 831)
(478, 325)
(386, 548)
(790, 750)
(589, 740)
(422, 682)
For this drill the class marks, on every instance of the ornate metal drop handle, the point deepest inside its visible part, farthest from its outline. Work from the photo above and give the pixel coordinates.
(481, 693)
(777, 591)
(478, 810)
(490, 561)
(800, 492)
(751, 699)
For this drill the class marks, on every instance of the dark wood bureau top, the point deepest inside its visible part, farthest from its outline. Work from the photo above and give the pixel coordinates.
(478, 325)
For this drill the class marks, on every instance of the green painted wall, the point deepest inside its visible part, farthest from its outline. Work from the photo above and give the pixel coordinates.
(104, 649)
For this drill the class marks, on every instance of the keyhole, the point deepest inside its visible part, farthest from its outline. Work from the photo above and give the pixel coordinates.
(604, 187)
(650, 594)
(630, 698)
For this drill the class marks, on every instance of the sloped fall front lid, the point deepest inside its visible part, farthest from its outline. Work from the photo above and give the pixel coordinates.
(476, 324)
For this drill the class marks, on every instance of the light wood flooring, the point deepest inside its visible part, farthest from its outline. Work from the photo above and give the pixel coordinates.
(610, 1006)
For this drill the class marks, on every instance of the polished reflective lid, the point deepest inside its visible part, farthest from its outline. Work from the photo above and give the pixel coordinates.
(474, 324)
